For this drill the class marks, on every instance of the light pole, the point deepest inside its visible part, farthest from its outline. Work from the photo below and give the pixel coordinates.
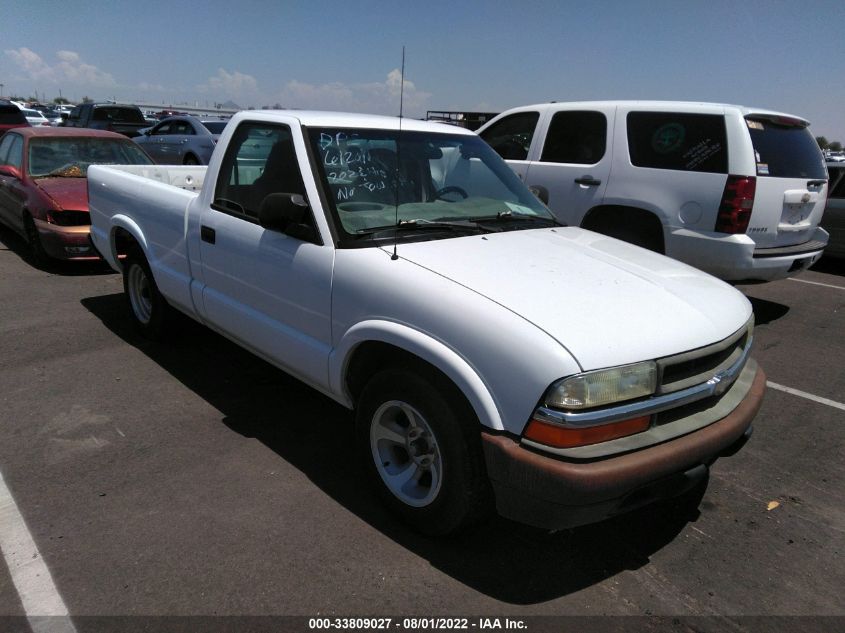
(1, 90)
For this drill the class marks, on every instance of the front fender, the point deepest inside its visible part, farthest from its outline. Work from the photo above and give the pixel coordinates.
(455, 367)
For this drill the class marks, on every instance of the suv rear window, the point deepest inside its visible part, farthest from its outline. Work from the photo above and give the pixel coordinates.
(683, 142)
(11, 114)
(785, 150)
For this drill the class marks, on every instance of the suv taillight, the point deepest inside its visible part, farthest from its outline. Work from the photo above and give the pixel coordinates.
(737, 201)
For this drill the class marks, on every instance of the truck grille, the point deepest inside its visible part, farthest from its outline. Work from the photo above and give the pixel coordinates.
(700, 365)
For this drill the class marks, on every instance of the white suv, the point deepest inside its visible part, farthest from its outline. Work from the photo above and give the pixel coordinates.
(735, 191)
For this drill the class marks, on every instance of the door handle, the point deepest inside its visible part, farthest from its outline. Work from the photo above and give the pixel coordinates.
(588, 180)
(208, 234)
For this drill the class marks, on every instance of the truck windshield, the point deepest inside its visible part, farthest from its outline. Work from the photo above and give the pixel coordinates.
(379, 179)
(70, 157)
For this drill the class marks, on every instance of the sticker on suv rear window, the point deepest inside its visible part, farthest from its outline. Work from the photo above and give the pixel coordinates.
(762, 169)
(667, 138)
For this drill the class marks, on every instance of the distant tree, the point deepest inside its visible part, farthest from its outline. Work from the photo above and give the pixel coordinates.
(822, 141)
(90, 100)
(60, 101)
(836, 146)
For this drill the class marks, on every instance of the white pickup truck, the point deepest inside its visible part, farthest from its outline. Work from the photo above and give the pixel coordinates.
(494, 358)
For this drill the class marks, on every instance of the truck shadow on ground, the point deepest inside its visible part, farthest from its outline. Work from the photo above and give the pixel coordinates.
(830, 265)
(510, 562)
(766, 311)
(11, 241)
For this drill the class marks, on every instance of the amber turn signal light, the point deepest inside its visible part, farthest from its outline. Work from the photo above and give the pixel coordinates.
(565, 437)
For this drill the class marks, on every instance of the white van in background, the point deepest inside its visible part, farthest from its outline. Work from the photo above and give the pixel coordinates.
(737, 192)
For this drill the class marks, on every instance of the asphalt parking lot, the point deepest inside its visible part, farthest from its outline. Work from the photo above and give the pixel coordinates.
(193, 479)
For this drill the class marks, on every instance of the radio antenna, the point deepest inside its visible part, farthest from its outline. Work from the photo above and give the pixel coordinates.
(395, 256)
(402, 87)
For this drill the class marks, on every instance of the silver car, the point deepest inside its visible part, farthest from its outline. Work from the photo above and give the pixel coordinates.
(181, 140)
(833, 220)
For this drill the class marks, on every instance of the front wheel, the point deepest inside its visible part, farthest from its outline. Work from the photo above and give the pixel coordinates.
(39, 255)
(420, 445)
(147, 307)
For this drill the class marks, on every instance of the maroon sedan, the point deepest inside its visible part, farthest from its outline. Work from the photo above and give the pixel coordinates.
(44, 189)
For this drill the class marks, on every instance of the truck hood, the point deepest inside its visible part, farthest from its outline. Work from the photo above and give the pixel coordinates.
(607, 302)
(66, 193)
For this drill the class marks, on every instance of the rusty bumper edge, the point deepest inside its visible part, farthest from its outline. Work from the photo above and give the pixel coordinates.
(549, 492)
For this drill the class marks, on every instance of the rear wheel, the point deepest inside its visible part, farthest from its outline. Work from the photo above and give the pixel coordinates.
(190, 159)
(631, 225)
(147, 307)
(420, 445)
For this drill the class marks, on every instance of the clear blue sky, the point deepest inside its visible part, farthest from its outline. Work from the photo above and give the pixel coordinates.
(489, 56)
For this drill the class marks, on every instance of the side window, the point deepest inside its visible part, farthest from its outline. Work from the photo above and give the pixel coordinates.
(576, 137)
(15, 155)
(259, 160)
(683, 142)
(74, 114)
(511, 137)
(5, 144)
(162, 129)
(183, 128)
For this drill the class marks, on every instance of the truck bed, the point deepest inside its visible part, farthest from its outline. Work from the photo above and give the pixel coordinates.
(154, 198)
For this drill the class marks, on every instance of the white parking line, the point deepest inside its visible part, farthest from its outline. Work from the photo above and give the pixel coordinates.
(33, 582)
(804, 394)
(816, 283)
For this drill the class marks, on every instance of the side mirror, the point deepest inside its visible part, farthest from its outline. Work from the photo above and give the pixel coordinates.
(287, 213)
(541, 193)
(10, 172)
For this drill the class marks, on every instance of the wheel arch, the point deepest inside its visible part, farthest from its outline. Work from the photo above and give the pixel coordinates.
(125, 232)
(616, 219)
(373, 344)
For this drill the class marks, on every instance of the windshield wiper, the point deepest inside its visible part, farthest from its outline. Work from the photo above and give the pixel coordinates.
(459, 226)
(510, 216)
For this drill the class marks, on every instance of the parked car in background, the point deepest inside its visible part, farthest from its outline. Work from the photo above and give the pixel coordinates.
(34, 117)
(181, 140)
(10, 117)
(833, 219)
(43, 185)
(737, 192)
(113, 117)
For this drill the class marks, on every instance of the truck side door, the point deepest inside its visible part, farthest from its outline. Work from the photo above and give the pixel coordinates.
(269, 291)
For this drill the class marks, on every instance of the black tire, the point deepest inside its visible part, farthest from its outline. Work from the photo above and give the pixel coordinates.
(451, 492)
(637, 236)
(686, 505)
(148, 309)
(629, 225)
(190, 159)
(39, 256)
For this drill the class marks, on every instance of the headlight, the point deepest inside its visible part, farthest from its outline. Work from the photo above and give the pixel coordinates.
(605, 386)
